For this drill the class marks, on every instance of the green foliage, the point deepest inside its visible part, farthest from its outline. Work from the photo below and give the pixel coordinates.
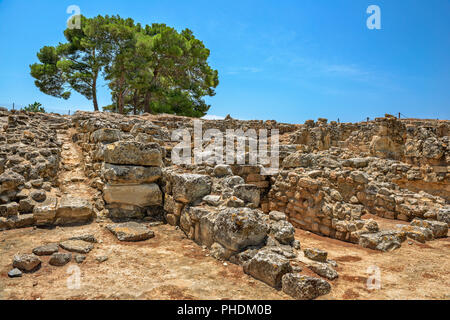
(34, 107)
(150, 69)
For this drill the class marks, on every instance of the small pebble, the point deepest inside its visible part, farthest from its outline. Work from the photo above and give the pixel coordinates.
(15, 273)
(79, 258)
(101, 259)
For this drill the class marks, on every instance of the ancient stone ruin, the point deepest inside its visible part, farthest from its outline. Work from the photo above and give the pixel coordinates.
(336, 180)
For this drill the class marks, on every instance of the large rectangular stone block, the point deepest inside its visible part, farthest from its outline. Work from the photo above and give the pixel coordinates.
(73, 210)
(188, 188)
(133, 153)
(45, 213)
(144, 195)
(122, 174)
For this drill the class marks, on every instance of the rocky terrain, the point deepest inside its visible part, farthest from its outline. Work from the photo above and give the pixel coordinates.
(101, 192)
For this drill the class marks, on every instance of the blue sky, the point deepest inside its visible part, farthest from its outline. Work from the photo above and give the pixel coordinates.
(288, 60)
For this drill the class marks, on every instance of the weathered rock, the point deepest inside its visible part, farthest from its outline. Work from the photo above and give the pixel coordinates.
(268, 267)
(101, 259)
(131, 231)
(38, 195)
(439, 229)
(360, 177)
(189, 188)
(303, 287)
(218, 251)
(356, 162)
(85, 237)
(26, 262)
(79, 258)
(233, 181)
(46, 250)
(133, 153)
(443, 215)
(222, 170)
(60, 259)
(285, 250)
(144, 195)
(212, 200)
(73, 210)
(45, 213)
(78, 246)
(115, 174)
(237, 229)
(283, 231)
(417, 233)
(277, 216)
(248, 193)
(26, 205)
(9, 210)
(10, 180)
(106, 135)
(316, 255)
(383, 240)
(15, 273)
(172, 219)
(323, 270)
(235, 202)
(22, 221)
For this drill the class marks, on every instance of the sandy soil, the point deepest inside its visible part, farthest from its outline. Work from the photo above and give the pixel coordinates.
(173, 267)
(415, 271)
(168, 266)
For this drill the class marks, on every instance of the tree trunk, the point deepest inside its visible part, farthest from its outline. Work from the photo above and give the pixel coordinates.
(147, 99)
(120, 102)
(121, 93)
(135, 102)
(94, 93)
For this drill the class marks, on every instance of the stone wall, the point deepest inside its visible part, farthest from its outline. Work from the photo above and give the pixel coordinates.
(30, 156)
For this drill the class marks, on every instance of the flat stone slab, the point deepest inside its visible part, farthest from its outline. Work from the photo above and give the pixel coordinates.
(85, 237)
(131, 231)
(78, 246)
(316, 254)
(60, 259)
(46, 250)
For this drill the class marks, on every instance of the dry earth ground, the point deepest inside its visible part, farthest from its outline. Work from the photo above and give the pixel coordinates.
(170, 266)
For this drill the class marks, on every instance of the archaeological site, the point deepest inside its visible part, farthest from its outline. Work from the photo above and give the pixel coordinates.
(97, 205)
(224, 159)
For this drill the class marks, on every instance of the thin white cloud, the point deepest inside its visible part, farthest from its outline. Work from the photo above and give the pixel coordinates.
(240, 70)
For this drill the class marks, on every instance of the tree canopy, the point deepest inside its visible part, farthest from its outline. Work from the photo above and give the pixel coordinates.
(153, 69)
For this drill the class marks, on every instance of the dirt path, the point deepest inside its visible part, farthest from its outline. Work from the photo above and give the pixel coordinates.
(73, 180)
